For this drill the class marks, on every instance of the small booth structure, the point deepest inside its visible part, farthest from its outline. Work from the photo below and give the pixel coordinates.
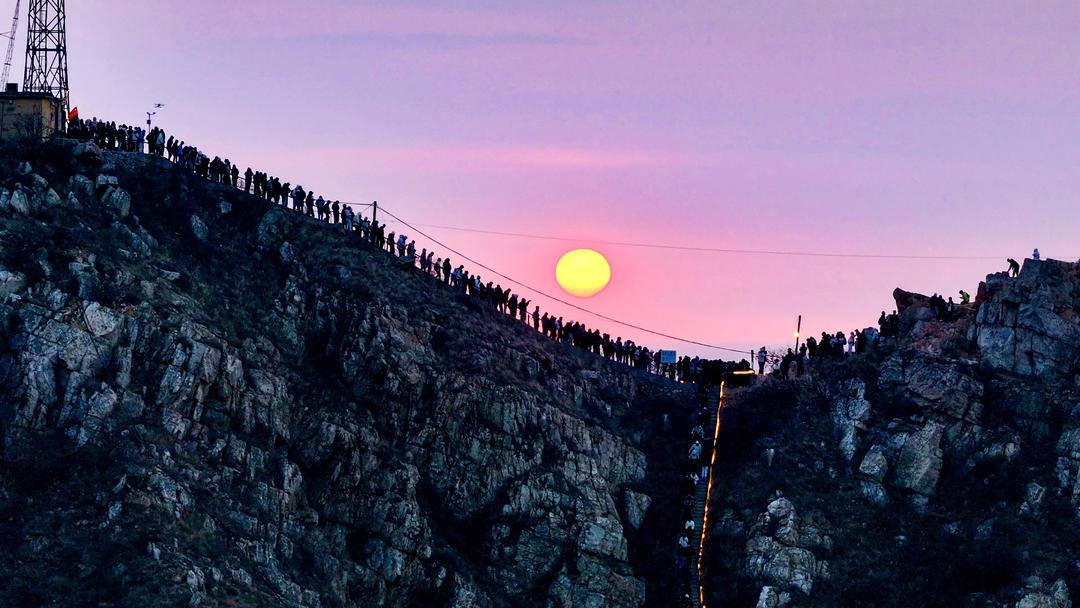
(28, 116)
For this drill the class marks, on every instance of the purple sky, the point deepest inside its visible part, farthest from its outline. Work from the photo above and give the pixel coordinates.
(928, 128)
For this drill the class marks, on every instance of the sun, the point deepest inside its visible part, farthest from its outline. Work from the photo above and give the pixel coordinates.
(583, 272)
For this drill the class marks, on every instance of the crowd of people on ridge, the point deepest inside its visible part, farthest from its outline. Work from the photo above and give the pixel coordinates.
(125, 138)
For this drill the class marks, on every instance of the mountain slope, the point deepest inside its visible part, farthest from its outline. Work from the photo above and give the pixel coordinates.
(941, 469)
(205, 400)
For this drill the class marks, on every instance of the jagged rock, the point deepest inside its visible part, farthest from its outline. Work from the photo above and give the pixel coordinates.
(19, 202)
(779, 552)
(89, 154)
(100, 321)
(1030, 324)
(771, 597)
(1033, 499)
(86, 279)
(918, 466)
(874, 492)
(199, 230)
(116, 200)
(10, 282)
(850, 411)
(82, 188)
(1057, 596)
(287, 253)
(271, 229)
(636, 504)
(207, 409)
(874, 465)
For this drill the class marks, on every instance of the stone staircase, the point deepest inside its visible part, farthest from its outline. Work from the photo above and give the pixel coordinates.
(701, 499)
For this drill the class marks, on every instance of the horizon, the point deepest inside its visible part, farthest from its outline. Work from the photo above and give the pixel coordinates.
(807, 128)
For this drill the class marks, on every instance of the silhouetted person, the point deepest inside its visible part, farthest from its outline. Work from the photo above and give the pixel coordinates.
(1014, 267)
(1035, 254)
(965, 297)
(761, 356)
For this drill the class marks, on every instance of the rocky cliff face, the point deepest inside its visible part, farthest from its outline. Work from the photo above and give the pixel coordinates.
(208, 401)
(941, 468)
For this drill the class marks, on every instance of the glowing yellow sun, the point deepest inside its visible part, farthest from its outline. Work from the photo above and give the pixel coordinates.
(583, 272)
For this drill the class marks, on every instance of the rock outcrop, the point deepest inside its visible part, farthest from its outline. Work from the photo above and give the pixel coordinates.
(1030, 324)
(220, 403)
(945, 461)
(781, 552)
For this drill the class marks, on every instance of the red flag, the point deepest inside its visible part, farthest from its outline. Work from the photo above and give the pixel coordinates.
(74, 113)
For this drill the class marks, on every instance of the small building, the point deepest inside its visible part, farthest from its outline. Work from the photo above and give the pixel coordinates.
(28, 116)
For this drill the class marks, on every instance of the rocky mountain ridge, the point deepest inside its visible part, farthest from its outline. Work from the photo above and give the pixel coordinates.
(206, 400)
(940, 469)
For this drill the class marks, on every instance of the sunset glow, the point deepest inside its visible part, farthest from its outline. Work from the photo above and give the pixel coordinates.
(583, 273)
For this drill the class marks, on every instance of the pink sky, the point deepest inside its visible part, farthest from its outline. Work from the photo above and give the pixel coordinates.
(926, 128)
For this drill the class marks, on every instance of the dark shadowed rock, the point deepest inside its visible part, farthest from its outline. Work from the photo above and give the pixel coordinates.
(1030, 324)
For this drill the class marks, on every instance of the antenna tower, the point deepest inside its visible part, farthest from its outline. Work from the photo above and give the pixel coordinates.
(11, 45)
(46, 51)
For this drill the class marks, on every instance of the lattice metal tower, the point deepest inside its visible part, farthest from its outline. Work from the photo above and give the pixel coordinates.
(46, 51)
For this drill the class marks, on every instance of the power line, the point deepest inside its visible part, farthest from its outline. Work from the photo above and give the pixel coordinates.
(555, 298)
(711, 249)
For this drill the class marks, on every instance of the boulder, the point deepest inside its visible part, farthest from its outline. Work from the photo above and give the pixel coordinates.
(10, 282)
(918, 466)
(1040, 596)
(874, 465)
(116, 200)
(19, 202)
(771, 597)
(89, 154)
(101, 321)
(199, 230)
(636, 504)
(82, 187)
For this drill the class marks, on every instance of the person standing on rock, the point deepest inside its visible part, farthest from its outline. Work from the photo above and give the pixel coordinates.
(1014, 267)
(1035, 255)
(447, 268)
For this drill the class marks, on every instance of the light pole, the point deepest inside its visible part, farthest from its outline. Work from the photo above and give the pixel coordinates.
(150, 115)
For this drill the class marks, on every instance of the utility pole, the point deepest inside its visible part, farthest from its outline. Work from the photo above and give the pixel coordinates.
(46, 69)
(798, 331)
(149, 116)
(374, 213)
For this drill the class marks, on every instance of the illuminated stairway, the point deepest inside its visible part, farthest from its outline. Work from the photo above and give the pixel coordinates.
(701, 498)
